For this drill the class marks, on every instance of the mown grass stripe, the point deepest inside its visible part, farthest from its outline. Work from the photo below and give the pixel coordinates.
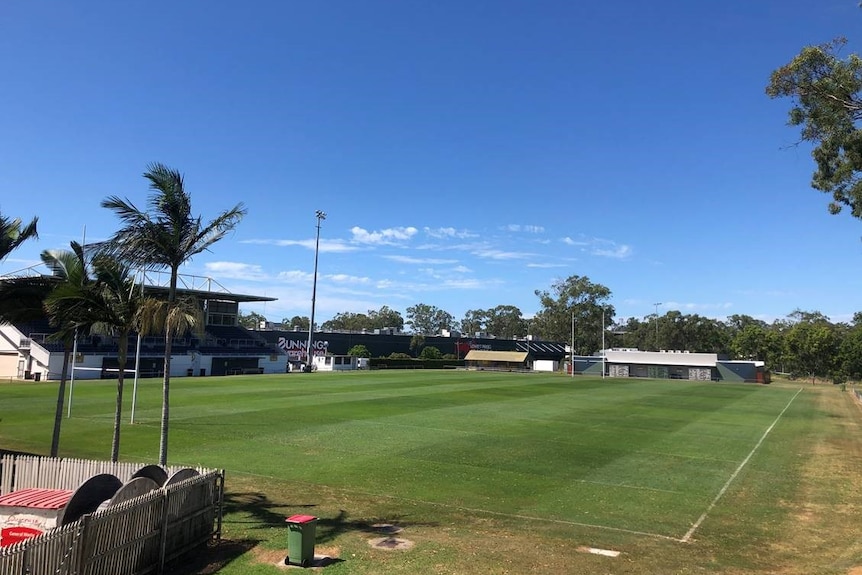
(690, 533)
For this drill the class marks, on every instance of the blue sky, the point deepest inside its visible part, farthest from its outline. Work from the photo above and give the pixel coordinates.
(466, 153)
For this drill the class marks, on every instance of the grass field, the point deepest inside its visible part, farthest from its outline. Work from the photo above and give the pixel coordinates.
(498, 472)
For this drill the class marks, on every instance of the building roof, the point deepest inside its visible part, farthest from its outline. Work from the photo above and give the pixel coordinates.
(508, 356)
(680, 358)
(205, 294)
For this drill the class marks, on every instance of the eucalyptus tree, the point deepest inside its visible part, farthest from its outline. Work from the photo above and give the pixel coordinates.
(385, 317)
(850, 353)
(826, 93)
(296, 322)
(811, 344)
(425, 319)
(475, 321)
(166, 235)
(347, 321)
(504, 321)
(251, 320)
(13, 232)
(574, 304)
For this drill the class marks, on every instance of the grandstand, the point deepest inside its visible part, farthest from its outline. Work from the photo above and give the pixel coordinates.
(27, 350)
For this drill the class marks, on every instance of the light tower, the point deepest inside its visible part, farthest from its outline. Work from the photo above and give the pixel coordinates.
(656, 304)
(320, 216)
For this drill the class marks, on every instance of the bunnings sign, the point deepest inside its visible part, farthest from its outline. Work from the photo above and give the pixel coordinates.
(296, 348)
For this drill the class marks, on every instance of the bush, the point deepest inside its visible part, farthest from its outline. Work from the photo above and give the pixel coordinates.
(411, 363)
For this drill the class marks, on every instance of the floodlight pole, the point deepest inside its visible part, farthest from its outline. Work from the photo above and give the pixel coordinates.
(656, 323)
(604, 350)
(572, 351)
(320, 216)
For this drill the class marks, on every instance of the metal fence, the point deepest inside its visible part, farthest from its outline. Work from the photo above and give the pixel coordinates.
(136, 537)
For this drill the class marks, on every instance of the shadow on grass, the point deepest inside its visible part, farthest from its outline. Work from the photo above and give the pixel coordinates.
(211, 559)
(258, 512)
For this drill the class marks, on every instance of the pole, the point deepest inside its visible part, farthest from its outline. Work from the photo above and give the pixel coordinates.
(320, 216)
(604, 350)
(72, 378)
(75, 344)
(137, 359)
(656, 324)
(572, 354)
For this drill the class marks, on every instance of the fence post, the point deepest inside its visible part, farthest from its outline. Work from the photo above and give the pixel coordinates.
(220, 503)
(80, 542)
(164, 543)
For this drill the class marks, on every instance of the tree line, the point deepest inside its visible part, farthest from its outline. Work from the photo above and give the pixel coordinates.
(578, 311)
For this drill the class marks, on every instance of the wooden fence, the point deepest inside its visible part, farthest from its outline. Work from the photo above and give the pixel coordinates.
(136, 537)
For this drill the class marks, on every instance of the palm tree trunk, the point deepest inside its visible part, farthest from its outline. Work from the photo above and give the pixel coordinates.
(122, 354)
(61, 393)
(166, 398)
(166, 385)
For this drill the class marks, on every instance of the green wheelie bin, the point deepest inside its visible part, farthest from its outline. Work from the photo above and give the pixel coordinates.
(300, 540)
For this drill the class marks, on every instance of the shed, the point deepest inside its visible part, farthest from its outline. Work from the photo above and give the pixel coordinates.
(501, 360)
(335, 362)
(30, 512)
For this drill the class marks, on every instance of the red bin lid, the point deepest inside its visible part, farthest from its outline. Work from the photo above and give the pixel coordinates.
(300, 518)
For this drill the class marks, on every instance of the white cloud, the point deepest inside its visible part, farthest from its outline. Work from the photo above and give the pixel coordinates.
(294, 276)
(501, 255)
(570, 242)
(425, 261)
(383, 237)
(600, 247)
(347, 279)
(614, 251)
(442, 233)
(693, 306)
(469, 283)
(547, 265)
(522, 228)
(236, 270)
(325, 246)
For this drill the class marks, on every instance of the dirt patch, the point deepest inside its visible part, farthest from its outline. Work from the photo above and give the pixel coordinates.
(323, 556)
(391, 543)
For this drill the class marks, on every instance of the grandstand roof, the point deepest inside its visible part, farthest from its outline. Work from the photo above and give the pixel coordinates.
(211, 294)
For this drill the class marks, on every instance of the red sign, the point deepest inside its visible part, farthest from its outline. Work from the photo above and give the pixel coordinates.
(13, 535)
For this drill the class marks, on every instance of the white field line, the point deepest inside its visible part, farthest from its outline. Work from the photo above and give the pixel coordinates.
(687, 537)
(472, 509)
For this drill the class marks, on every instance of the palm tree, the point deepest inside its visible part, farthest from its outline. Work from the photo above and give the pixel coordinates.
(116, 308)
(166, 236)
(13, 235)
(67, 312)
